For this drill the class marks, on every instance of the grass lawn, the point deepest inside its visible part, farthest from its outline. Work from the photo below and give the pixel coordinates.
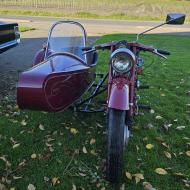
(67, 150)
(25, 28)
(98, 9)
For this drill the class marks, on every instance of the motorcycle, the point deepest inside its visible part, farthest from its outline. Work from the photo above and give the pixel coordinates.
(64, 72)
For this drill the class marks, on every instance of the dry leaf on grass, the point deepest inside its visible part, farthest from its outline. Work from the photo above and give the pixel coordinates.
(74, 187)
(55, 180)
(128, 175)
(149, 146)
(158, 117)
(161, 171)
(16, 145)
(31, 187)
(41, 127)
(84, 150)
(23, 123)
(17, 177)
(3, 187)
(33, 156)
(148, 186)
(93, 152)
(164, 144)
(179, 174)
(168, 155)
(138, 177)
(73, 131)
(92, 141)
(188, 153)
(180, 128)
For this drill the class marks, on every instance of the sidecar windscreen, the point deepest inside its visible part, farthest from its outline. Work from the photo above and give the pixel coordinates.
(66, 36)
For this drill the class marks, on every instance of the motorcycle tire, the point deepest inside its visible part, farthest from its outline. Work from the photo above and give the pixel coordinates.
(115, 144)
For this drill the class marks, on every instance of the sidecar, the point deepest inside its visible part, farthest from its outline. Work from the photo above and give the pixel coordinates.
(61, 72)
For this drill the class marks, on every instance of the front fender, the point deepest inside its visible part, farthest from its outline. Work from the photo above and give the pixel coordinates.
(119, 97)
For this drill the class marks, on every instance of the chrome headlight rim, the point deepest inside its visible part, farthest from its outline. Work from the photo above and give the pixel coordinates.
(131, 56)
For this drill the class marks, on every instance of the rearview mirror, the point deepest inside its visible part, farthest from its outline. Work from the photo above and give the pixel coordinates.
(175, 18)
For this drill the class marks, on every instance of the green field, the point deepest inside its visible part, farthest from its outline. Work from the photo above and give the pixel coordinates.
(53, 157)
(109, 9)
(25, 28)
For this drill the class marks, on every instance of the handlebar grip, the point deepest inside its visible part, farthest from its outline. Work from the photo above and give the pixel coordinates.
(163, 52)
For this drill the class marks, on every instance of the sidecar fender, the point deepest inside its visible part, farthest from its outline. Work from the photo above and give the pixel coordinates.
(119, 97)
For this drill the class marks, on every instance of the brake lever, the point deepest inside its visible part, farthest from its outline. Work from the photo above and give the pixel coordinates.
(159, 54)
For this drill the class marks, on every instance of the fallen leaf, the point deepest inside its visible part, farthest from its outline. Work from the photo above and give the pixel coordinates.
(164, 144)
(179, 174)
(168, 155)
(2, 187)
(16, 145)
(147, 186)
(149, 146)
(167, 126)
(161, 171)
(55, 180)
(17, 177)
(92, 141)
(128, 175)
(41, 127)
(46, 179)
(82, 174)
(152, 111)
(23, 123)
(74, 187)
(188, 153)
(73, 131)
(8, 164)
(33, 156)
(93, 152)
(180, 128)
(122, 186)
(158, 117)
(138, 177)
(84, 150)
(31, 187)
(99, 125)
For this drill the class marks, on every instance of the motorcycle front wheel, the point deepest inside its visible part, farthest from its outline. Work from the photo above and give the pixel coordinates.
(115, 144)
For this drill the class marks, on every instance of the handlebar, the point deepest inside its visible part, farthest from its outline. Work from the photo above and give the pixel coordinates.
(163, 52)
(140, 47)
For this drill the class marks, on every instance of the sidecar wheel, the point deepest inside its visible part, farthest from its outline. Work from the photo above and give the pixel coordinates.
(115, 145)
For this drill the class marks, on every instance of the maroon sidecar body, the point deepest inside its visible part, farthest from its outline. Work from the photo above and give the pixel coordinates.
(61, 73)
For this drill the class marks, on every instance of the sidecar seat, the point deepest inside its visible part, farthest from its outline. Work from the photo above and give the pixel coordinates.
(91, 57)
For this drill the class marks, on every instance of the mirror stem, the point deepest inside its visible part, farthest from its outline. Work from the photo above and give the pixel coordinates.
(149, 30)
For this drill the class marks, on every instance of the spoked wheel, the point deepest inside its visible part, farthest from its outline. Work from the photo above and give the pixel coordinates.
(117, 137)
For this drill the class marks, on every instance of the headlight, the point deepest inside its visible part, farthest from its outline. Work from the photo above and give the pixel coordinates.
(122, 60)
